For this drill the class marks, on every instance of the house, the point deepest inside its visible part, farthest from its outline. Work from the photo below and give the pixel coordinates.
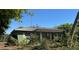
(29, 32)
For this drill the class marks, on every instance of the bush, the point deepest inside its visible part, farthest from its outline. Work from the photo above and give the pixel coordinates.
(11, 40)
(23, 42)
(2, 38)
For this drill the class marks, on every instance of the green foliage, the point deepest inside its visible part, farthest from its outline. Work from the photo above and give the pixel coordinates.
(66, 27)
(34, 39)
(11, 40)
(67, 39)
(7, 15)
(2, 38)
(11, 13)
(23, 43)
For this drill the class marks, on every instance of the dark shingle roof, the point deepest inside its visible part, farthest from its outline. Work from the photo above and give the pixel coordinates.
(26, 29)
(48, 30)
(38, 29)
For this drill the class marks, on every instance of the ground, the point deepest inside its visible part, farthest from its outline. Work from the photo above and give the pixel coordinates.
(4, 47)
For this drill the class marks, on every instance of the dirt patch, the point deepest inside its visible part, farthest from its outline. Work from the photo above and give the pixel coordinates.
(4, 47)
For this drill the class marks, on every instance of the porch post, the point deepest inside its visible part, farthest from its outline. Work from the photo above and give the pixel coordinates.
(40, 36)
(50, 35)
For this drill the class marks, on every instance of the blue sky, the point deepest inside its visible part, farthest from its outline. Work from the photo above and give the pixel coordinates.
(46, 18)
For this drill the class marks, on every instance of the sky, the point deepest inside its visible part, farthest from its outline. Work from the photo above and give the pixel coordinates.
(48, 18)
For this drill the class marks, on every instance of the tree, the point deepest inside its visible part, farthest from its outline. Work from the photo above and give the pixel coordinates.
(7, 15)
(68, 30)
(66, 27)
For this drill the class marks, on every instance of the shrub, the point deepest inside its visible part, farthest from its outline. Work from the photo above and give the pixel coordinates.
(11, 40)
(23, 42)
(2, 38)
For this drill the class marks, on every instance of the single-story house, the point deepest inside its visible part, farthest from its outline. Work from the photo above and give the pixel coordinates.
(23, 32)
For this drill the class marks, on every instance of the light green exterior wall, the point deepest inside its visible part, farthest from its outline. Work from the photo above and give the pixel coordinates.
(23, 39)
